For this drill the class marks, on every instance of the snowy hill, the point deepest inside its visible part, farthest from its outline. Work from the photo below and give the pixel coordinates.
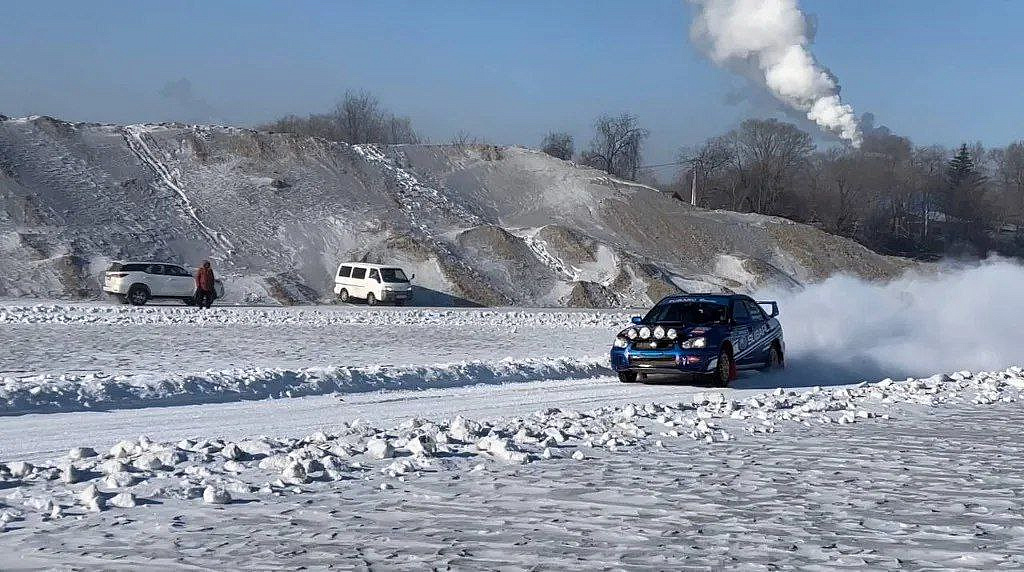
(277, 212)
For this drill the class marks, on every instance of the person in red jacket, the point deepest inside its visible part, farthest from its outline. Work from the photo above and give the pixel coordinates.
(204, 286)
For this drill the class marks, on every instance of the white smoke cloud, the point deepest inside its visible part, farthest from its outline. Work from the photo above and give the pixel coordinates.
(773, 37)
(846, 330)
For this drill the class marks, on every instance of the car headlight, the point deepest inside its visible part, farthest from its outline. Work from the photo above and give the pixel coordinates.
(645, 333)
(659, 333)
(631, 333)
(672, 334)
(693, 343)
(620, 342)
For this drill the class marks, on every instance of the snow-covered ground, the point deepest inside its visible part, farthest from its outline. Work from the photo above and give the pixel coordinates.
(480, 439)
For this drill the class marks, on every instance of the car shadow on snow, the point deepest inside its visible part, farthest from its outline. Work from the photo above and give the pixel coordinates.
(800, 371)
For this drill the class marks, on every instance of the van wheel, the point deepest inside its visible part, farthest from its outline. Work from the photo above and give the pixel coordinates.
(371, 300)
(138, 295)
(343, 295)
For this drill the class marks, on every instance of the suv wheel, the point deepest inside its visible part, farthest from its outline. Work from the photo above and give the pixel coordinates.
(371, 300)
(138, 295)
(343, 295)
(627, 376)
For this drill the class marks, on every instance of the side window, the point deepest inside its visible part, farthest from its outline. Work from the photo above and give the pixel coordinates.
(345, 272)
(739, 312)
(155, 269)
(374, 275)
(133, 268)
(756, 312)
(177, 271)
(359, 273)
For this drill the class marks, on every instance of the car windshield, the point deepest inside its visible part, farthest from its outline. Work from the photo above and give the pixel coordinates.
(393, 275)
(691, 313)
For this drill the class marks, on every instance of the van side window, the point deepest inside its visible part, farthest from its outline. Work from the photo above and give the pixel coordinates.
(345, 272)
(374, 275)
(359, 273)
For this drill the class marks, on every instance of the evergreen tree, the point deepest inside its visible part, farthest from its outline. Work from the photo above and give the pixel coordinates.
(962, 171)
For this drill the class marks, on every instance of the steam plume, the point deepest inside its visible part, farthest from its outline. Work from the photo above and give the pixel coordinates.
(770, 38)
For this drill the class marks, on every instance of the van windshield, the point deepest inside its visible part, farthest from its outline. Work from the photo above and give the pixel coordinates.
(689, 313)
(393, 275)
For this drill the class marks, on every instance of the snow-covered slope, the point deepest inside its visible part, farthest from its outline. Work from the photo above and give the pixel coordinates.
(277, 212)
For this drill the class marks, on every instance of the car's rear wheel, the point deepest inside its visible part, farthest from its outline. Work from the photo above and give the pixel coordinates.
(138, 295)
(774, 359)
(399, 302)
(723, 369)
(343, 295)
(627, 376)
(371, 300)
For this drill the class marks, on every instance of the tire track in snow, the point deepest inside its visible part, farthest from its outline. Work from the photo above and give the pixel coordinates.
(134, 138)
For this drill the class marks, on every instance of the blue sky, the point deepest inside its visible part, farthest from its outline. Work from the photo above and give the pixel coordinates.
(939, 71)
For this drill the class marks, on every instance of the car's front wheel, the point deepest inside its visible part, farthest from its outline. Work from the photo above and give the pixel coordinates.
(343, 296)
(627, 376)
(138, 295)
(723, 369)
(371, 300)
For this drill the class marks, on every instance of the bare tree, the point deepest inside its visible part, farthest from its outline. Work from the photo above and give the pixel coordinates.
(358, 118)
(558, 144)
(771, 153)
(617, 145)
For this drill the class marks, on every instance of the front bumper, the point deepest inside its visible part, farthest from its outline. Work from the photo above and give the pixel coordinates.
(393, 295)
(668, 360)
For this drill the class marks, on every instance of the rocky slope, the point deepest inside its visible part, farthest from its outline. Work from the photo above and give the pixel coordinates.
(277, 212)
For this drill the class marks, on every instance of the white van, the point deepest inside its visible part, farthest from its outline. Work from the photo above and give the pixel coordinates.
(373, 282)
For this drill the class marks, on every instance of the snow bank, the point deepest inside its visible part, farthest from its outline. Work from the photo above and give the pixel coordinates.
(71, 314)
(77, 392)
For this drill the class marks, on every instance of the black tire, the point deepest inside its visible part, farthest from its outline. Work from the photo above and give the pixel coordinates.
(138, 295)
(399, 302)
(774, 359)
(627, 376)
(189, 301)
(343, 296)
(371, 300)
(723, 370)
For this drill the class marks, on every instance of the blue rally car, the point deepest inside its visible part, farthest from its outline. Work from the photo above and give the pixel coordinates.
(703, 335)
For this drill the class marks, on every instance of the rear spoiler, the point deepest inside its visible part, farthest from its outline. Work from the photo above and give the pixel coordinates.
(773, 304)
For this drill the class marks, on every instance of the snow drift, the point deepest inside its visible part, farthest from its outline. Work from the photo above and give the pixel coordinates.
(81, 392)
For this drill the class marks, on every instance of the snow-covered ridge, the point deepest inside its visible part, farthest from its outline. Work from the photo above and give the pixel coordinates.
(215, 471)
(78, 392)
(71, 314)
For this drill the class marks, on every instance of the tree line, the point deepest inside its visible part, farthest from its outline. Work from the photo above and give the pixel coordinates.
(890, 194)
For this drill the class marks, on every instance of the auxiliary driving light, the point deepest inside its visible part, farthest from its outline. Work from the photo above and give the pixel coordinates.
(645, 333)
(659, 333)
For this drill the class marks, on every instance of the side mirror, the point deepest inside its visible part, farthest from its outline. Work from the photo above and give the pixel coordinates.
(636, 319)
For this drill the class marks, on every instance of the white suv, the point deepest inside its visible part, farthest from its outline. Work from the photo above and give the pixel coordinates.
(373, 282)
(139, 282)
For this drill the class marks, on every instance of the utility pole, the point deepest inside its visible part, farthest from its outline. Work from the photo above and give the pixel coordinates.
(693, 189)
